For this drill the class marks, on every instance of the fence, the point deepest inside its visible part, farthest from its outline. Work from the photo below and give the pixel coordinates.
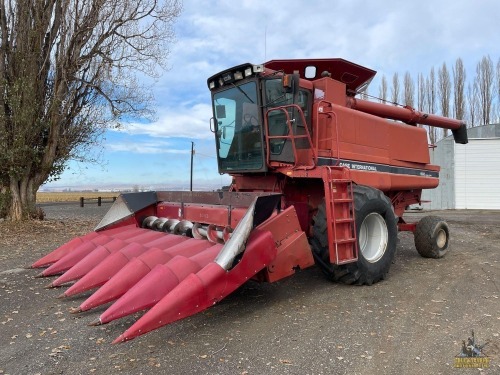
(98, 199)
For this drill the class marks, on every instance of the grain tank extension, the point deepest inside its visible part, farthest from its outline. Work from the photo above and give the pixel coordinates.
(318, 177)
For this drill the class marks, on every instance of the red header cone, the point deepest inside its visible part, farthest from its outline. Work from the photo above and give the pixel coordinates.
(73, 257)
(102, 252)
(89, 262)
(157, 284)
(137, 268)
(61, 251)
(199, 291)
(113, 263)
(69, 246)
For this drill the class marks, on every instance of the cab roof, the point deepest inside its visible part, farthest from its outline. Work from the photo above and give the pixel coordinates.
(353, 75)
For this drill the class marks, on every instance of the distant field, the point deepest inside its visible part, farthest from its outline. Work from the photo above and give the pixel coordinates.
(45, 197)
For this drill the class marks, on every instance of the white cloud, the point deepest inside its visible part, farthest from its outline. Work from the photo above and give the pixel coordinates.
(184, 121)
(142, 147)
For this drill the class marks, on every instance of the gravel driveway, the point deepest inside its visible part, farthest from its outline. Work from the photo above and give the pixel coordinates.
(412, 323)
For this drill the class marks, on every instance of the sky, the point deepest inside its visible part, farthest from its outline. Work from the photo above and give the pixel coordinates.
(387, 36)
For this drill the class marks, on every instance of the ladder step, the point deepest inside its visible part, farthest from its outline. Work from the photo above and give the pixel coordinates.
(341, 205)
(345, 261)
(346, 240)
(342, 200)
(347, 220)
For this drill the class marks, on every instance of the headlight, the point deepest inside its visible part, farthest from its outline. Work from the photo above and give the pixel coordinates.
(228, 77)
(238, 75)
(258, 68)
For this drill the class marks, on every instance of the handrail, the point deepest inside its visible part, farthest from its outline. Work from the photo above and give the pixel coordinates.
(291, 135)
(333, 114)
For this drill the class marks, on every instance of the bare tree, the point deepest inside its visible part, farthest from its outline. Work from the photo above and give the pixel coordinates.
(430, 84)
(431, 91)
(383, 89)
(365, 93)
(484, 81)
(68, 72)
(459, 76)
(444, 92)
(408, 90)
(472, 104)
(395, 89)
(422, 93)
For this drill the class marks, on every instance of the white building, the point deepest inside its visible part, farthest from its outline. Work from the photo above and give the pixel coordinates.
(470, 174)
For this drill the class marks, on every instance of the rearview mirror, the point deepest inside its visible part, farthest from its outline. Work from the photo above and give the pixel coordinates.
(220, 111)
(287, 83)
(290, 83)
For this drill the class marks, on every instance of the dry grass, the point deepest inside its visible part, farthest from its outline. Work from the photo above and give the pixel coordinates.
(72, 196)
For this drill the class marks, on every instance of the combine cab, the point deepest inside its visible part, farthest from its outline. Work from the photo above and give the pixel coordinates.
(319, 177)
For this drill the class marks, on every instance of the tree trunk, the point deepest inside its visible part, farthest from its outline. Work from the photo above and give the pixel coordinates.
(23, 199)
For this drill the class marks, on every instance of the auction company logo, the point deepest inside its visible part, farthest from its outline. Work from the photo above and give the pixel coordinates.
(471, 355)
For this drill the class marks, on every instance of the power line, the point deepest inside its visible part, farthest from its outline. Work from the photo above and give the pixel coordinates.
(207, 156)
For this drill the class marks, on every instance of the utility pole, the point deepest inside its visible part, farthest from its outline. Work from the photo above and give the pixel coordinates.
(192, 156)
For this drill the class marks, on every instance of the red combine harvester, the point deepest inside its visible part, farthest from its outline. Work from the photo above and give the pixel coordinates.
(319, 176)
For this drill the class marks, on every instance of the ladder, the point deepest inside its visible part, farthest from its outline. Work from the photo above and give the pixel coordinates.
(339, 200)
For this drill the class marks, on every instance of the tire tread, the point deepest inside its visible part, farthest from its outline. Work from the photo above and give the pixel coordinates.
(423, 237)
(351, 273)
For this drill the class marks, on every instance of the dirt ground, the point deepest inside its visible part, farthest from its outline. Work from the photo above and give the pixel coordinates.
(412, 323)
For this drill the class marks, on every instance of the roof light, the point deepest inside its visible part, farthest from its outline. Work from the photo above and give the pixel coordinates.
(238, 75)
(258, 68)
(221, 82)
(211, 85)
(248, 72)
(228, 77)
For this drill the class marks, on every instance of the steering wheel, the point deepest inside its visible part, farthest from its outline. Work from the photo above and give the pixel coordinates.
(250, 120)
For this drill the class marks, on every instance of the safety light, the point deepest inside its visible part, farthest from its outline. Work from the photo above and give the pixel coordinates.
(258, 68)
(248, 72)
(228, 77)
(238, 75)
(211, 85)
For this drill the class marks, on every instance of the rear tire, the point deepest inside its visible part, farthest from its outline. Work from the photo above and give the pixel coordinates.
(432, 236)
(377, 231)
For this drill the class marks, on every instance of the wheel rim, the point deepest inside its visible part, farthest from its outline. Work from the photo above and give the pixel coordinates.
(373, 236)
(441, 238)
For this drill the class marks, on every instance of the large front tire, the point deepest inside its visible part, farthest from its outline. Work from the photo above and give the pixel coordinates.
(377, 231)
